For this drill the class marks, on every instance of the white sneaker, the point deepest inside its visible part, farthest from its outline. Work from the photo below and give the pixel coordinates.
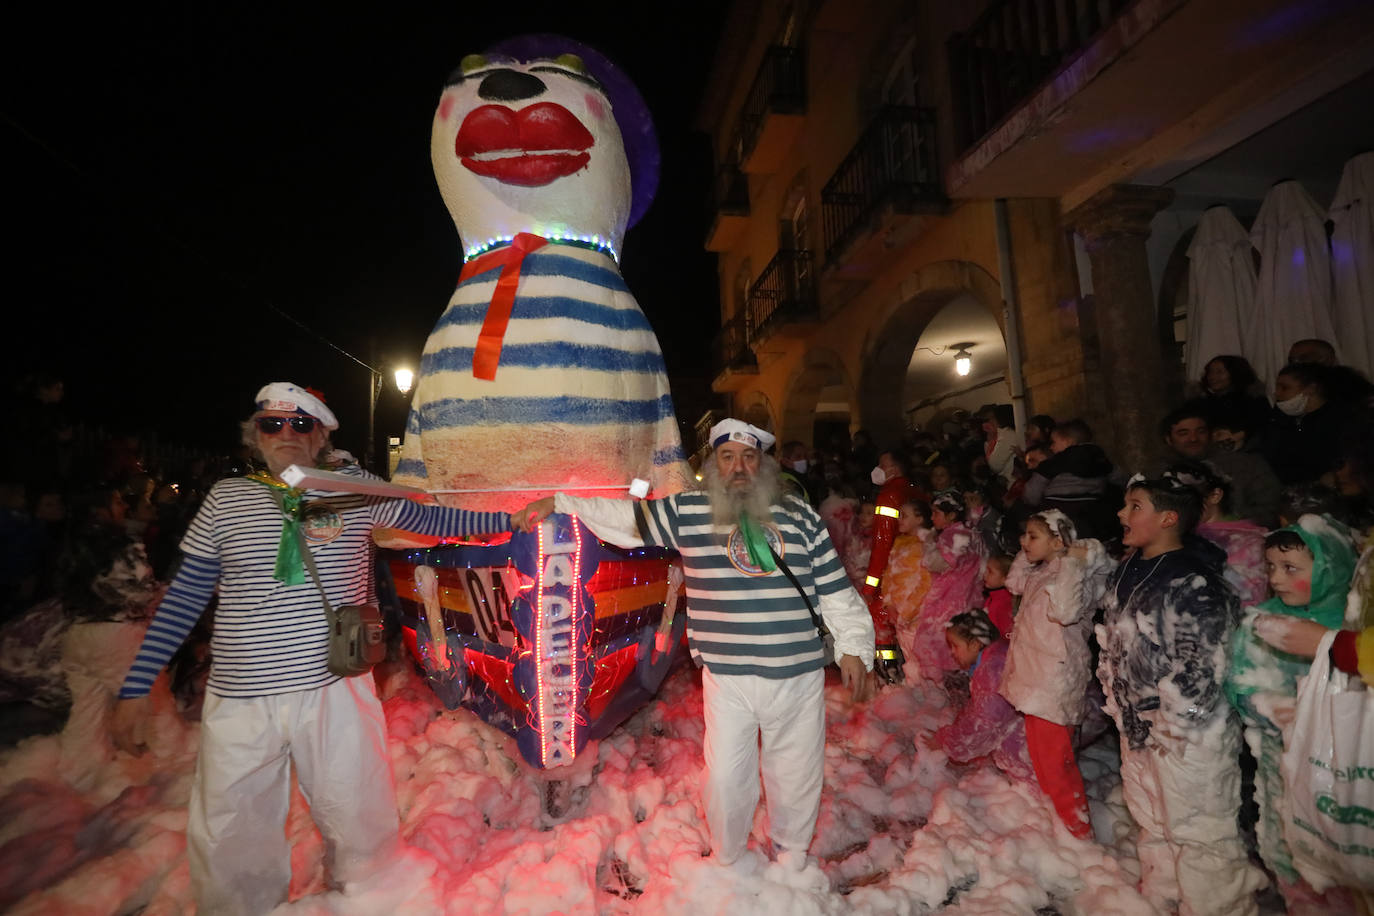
(791, 859)
(749, 863)
(796, 870)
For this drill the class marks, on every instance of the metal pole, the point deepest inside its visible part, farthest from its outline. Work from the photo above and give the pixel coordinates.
(1010, 315)
(370, 451)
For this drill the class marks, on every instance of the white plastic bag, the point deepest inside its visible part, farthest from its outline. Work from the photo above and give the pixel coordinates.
(1328, 771)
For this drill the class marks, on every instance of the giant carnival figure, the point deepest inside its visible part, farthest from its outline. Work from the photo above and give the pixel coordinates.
(541, 375)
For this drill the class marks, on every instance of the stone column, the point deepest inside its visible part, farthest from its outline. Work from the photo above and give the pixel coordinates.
(1114, 224)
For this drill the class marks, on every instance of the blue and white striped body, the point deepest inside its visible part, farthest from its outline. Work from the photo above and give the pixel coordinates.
(580, 397)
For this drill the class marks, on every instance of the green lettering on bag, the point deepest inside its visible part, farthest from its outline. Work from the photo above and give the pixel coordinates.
(1348, 814)
(1348, 849)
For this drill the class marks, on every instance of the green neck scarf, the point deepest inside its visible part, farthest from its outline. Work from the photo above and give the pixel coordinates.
(756, 543)
(290, 567)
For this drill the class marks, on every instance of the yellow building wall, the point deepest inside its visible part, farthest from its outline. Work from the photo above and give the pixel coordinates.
(847, 57)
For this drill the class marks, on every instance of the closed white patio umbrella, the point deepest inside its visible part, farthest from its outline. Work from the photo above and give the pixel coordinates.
(1293, 294)
(1221, 288)
(1352, 263)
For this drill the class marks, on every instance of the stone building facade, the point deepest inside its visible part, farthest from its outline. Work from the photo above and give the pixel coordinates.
(878, 159)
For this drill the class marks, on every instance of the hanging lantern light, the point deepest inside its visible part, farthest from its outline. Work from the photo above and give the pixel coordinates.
(963, 362)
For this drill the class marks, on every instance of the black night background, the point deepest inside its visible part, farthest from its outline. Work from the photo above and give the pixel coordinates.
(185, 183)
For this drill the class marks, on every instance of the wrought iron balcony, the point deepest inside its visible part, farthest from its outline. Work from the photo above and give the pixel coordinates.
(772, 111)
(1010, 50)
(892, 165)
(785, 293)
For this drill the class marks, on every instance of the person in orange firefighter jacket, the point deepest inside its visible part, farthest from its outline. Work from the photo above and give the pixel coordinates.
(894, 491)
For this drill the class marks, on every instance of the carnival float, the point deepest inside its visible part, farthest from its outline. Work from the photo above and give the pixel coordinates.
(541, 375)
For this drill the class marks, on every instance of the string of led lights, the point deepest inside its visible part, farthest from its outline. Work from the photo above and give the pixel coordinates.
(589, 242)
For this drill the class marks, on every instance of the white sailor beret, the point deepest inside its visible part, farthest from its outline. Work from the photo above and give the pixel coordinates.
(732, 430)
(286, 396)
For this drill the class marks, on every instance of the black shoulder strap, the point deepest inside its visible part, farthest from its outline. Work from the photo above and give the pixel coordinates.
(791, 577)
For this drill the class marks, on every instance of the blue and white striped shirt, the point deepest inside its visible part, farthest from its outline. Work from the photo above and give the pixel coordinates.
(741, 620)
(271, 638)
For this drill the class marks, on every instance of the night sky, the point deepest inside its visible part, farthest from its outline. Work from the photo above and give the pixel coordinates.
(175, 179)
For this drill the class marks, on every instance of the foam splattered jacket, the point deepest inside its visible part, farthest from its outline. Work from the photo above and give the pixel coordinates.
(1165, 638)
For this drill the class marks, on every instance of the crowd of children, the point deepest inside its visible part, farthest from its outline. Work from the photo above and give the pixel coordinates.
(1063, 588)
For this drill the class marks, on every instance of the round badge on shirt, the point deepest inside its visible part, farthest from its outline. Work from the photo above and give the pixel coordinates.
(321, 524)
(738, 553)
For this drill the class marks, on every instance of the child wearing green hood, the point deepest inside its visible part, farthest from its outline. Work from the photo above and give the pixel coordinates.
(1309, 565)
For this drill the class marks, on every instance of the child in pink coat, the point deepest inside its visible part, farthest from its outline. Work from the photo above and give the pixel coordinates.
(1060, 580)
(987, 725)
(956, 585)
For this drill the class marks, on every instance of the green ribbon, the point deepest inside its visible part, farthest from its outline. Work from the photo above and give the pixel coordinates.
(756, 543)
(290, 567)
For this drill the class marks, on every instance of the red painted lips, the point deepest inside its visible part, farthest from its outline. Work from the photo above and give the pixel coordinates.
(530, 147)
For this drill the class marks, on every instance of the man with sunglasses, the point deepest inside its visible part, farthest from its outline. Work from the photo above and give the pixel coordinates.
(271, 701)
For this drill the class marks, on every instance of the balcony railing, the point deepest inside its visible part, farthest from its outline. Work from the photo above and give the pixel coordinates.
(893, 164)
(731, 346)
(779, 88)
(1010, 50)
(785, 292)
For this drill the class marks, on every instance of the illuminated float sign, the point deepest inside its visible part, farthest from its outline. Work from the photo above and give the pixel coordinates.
(556, 643)
(552, 636)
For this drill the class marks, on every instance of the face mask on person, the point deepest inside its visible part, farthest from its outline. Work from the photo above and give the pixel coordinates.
(879, 477)
(800, 465)
(1295, 406)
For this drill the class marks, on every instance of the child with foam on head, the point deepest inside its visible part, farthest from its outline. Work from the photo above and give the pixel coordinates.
(1309, 567)
(1061, 579)
(1168, 619)
(956, 566)
(986, 725)
(907, 580)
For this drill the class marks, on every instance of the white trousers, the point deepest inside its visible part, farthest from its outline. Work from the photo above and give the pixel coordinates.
(790, 715)
(236, 837)
(1185, 802)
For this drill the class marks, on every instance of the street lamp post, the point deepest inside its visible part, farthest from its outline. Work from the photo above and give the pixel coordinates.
(370, 453)
(405, 380)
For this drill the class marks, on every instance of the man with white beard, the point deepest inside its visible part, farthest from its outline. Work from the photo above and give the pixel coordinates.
(757, 563)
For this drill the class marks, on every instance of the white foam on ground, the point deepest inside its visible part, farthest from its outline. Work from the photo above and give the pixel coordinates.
(901, 830)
